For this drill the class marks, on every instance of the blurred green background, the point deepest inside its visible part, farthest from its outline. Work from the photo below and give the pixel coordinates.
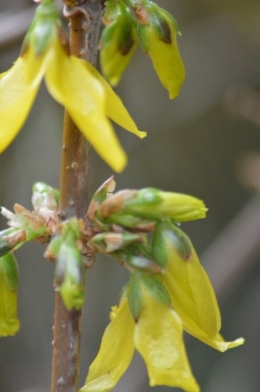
(205, 143)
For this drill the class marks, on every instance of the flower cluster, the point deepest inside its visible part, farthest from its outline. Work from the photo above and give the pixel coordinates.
(72, 82)
(129, 22)
(168, 291)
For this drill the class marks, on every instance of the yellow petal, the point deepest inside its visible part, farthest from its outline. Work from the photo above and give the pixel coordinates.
(115, 108)
(73, 86)
(115, 354)
(190, 289)
(18, 88)
(218, 342)
(158, 338)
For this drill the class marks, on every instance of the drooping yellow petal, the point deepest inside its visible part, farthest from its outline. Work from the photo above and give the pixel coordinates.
(190, 289)
(218, 341)
(158, 338)
(83, 96)
(115, 353)
(115, 108)
(18, 88)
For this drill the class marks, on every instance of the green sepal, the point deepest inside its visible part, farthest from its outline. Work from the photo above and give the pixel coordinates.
(166, 236)
(135, 298)
(156, 289)
(41, 30)
(139, 285)
(137, 262)
(10, 269)
(5, 246)
(128, 221)
(71, 230)
(54, 246)
(101, 193)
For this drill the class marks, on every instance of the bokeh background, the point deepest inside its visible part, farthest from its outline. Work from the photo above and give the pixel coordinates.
(205, 143)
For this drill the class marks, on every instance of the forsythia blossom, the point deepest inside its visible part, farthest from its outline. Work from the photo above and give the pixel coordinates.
(168, 292)
(73, 82)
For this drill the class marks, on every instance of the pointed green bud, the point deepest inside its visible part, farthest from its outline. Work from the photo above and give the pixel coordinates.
(70, 276)
(152, 203)
(157, 31)
(111, 242)
(118, 41)
(9, 324)
(166, 236)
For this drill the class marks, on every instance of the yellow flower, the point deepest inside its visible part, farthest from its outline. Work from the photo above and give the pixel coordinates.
(189, 287)
(9, 324)
(156, 334)
(74, 83)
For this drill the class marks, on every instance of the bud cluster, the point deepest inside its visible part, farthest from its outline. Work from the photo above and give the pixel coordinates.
(132, 22)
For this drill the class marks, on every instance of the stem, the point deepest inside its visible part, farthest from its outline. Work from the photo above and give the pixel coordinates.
(84, 29)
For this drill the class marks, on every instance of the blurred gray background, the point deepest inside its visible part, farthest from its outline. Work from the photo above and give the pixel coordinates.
(205, 143)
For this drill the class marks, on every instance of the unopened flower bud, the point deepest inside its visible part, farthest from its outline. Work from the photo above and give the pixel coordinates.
(70, 276)
(157, 31)
(118, 41)
(9, 274)
(152, 203)
(111, 242)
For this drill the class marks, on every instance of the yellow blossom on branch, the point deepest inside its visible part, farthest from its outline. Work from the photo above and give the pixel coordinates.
(73, 82)
(157, 335)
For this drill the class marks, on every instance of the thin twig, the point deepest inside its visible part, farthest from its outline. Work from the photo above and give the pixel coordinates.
(84, 27)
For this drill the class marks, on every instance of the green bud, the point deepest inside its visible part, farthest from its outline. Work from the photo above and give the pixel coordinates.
(70, 276)
(9, 324)
(118, 42)
(111, 242)
(42, 191)
(152, 203)
(167, 240)
(157, 31)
